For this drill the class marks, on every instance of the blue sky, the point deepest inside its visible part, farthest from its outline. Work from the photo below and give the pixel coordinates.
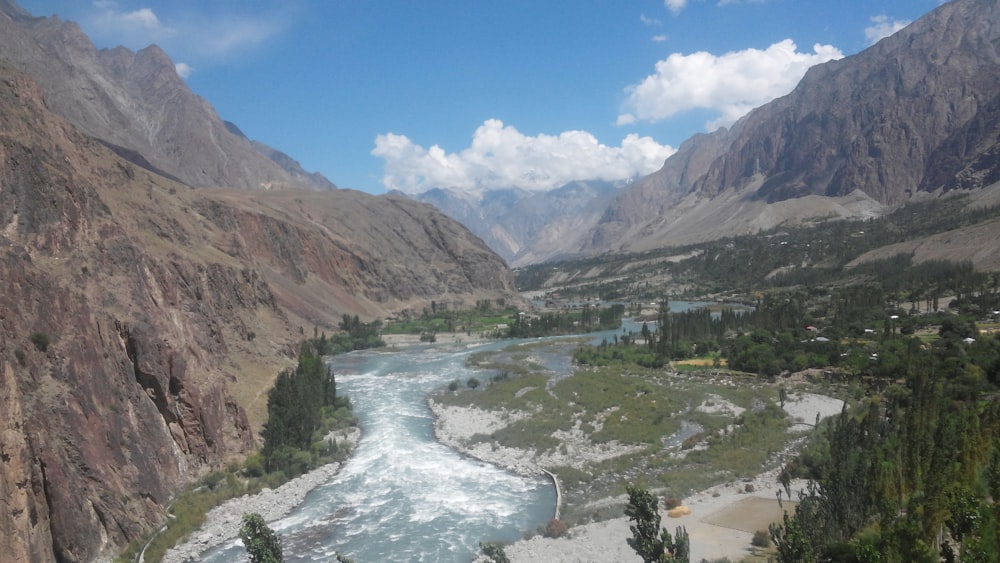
(473, 94)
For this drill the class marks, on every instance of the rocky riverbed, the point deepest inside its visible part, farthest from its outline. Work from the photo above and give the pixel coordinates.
(223, 522)
(721, 521)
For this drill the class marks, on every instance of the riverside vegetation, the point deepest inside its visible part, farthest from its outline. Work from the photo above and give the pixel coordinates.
(905, 473)
(496, 319)
(909, 469)
(303, 408)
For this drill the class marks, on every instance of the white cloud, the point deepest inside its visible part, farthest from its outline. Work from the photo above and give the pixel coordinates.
(730, 2)
(130, 25)
(675, 6)
(659, 38)
(500, 156)
(882, 27)
(625, 119)
(207, 32)
(731, 84)
(229, 35)
(184, 70)
(646, 20)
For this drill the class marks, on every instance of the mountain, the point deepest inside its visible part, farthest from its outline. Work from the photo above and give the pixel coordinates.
(527, 227)
(142, 320)
(137, 104)
(915, 115)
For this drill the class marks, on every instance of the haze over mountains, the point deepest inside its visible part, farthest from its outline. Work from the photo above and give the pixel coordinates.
(527, 227)
(914, 116)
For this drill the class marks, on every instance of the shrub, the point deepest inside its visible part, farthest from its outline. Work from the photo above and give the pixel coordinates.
(494, 551)
(19, 354)
(555, 528)
(213, 479)
(254, 466)
(472, 383)
(671, 503)
(761, 538)
(40, 340)
(453, 386)
(692, 441)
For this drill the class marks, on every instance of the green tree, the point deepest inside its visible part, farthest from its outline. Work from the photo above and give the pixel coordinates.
(495, 552)
(653, 543)
(295, 410)
(262, 544)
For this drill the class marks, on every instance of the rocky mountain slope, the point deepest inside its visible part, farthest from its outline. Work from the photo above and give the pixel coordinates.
(142, 320)
(137, 104)
(916, 114)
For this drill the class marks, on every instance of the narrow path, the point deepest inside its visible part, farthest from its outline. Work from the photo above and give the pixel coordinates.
(141, 557)
(555, 481)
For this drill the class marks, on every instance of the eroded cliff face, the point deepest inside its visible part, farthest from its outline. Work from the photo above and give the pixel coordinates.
(134, 311)
(112, 396)
(324, 254)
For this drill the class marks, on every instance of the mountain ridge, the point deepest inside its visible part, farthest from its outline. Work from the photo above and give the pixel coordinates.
(137, 100)
(913, 115)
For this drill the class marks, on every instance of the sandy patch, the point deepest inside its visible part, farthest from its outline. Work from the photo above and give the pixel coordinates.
(406, 340)
(803, 408)
(749, 514)
(721, 524)
(714, 404)
(462, 423)
(455, 425)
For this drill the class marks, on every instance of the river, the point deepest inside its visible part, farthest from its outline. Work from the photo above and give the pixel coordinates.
(402, 496)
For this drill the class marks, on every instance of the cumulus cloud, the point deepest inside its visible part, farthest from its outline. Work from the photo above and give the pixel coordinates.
(675, 6)
(184, 70)
(731, 84)
(500, 156)
(883, 26)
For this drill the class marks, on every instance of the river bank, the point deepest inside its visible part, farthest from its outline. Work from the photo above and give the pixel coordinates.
(406, 340)
(720, 524)
(722, 518)
(222, 523)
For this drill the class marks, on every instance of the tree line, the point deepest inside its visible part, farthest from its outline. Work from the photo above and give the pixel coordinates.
(302, 407)
(911, 474)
